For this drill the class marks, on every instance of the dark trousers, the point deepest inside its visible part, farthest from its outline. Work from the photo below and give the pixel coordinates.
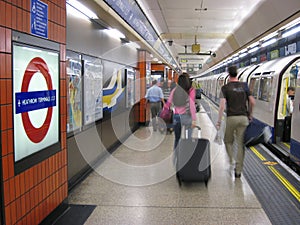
(177, 126)
(155, 108)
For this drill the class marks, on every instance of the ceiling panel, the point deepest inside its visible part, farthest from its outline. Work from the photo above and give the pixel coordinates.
(207, 22)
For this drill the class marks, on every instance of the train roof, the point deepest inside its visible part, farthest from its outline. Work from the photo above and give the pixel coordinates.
(275, 65)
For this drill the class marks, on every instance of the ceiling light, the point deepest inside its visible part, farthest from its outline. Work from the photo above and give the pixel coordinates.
(269, 42)
(82, 8)
(115, 33)
(291, 32)
(243, 54)
(134, 45)
(253, 49)
(269, 36)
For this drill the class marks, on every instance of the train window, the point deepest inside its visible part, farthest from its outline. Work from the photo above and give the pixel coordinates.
(293, 75)
(219, 86)
(254, 86)
(265, 88)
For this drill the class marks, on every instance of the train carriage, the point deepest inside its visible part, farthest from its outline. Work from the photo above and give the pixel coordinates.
(268, 83)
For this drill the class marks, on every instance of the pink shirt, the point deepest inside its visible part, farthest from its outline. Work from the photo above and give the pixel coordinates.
(182, 109)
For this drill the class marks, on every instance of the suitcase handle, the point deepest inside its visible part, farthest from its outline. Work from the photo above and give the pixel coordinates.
(198, 133)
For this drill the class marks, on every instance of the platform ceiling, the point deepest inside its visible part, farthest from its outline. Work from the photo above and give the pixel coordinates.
(221, 27)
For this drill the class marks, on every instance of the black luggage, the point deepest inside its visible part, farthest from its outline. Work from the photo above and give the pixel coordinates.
(193, 160)
(256, 133)
(287, 129)
(198, 93)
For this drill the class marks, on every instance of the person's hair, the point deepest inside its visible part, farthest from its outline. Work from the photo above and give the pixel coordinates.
(290, 89)
(154, 82)
(232, 70)
(181, 92)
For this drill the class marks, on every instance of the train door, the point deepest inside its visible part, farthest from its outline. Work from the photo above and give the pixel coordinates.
(286, 104)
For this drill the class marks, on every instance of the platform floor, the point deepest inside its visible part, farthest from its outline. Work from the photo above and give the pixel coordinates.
(137, 185)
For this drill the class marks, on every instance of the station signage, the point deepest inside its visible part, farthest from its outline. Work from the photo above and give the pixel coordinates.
(35, 99)
(39, 18)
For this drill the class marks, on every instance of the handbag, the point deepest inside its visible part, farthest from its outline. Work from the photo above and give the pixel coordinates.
(166, 114)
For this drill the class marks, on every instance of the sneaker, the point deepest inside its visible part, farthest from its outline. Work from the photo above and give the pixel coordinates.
(237, 175)
(230, 169)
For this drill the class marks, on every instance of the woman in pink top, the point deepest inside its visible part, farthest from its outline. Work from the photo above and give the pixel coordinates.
(182, 97)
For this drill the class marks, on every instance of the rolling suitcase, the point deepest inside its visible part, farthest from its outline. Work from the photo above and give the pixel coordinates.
(193, 160)
(256, 133)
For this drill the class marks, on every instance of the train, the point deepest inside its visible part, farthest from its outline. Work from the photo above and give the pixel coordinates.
(268, 82)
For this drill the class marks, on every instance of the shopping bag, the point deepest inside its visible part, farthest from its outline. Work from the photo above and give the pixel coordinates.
(218, 138)
(166, 114)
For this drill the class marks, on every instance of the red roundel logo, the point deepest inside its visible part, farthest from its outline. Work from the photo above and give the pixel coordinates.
(36, 134)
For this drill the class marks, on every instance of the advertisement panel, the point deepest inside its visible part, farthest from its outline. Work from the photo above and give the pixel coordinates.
(93, 89)
(74, 92)
(130, 87)
(35, 99)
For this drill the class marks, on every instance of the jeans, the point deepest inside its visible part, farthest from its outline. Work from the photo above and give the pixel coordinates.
(177, 124)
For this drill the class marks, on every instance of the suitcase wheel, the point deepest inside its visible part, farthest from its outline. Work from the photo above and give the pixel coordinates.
(178, 179)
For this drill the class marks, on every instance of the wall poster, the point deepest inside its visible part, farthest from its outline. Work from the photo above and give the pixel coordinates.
(74, 92)
(35, 99)
(130, 87)
(93, 89)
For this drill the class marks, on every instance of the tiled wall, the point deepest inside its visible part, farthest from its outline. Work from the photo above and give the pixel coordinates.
(33, 194)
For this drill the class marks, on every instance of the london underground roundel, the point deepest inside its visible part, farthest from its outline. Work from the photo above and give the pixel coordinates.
(36, 134)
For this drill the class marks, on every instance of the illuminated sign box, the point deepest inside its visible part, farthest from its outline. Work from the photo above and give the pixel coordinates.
(35, 102)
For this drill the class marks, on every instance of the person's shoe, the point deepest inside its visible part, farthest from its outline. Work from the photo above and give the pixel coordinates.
(230, 169)
(237, 175)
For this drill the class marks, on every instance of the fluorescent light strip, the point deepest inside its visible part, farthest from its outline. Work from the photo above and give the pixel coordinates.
(115, 33)
(253, 49)
(269, 42)
(291, 32)
(134, 45)
(243, 54)
(82, 8)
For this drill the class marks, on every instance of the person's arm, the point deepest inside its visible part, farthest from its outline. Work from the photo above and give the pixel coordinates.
(221, 111)
(251, 106)
(147, 96)
(162, 98)
(192, 96)
(170, 99)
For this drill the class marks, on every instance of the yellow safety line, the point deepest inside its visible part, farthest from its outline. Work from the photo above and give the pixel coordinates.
(254, 150)
(286, 183)
(287, 145)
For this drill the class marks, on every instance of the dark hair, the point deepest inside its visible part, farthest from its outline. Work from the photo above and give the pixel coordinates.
(154, 82)
(181, 92)
(232, 70)
(290, 88)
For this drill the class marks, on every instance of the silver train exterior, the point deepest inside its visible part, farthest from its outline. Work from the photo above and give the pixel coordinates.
(268, 83)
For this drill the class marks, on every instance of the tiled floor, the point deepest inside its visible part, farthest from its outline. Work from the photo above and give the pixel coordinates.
(137, 186)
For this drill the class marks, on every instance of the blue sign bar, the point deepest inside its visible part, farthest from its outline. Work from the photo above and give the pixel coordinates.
(39, 18)
(35, 100)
